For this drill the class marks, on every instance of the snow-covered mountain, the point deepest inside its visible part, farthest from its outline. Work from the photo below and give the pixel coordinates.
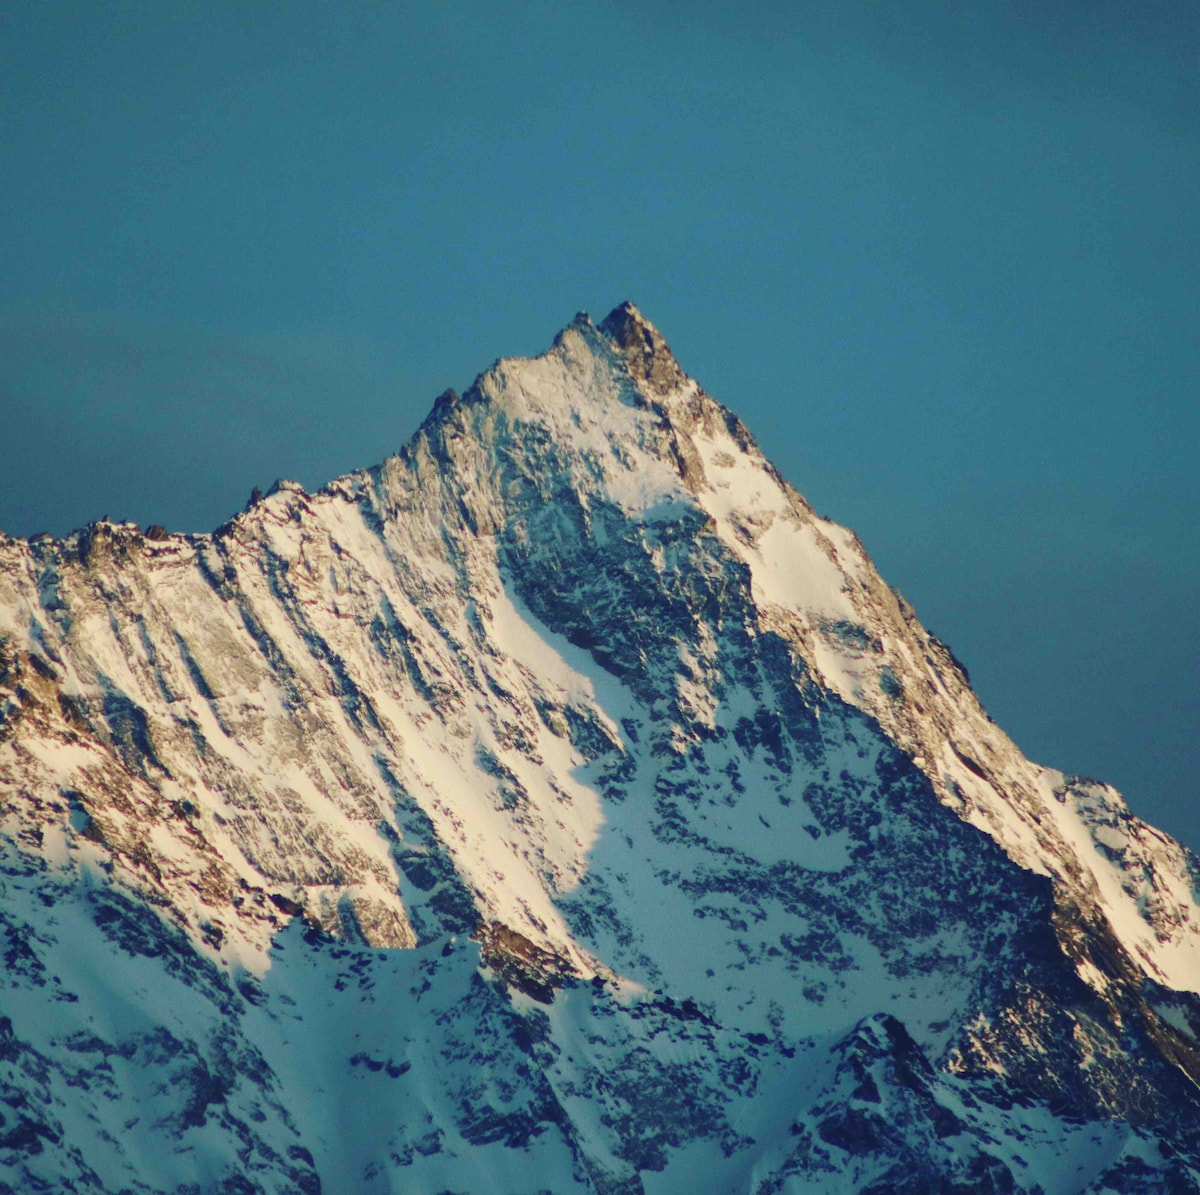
(560, 806)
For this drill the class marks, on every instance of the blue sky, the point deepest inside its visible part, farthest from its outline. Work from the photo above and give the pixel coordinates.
(944, 260)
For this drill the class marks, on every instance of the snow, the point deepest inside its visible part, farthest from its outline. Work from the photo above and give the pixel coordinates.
(760, 821)
(1172, 958)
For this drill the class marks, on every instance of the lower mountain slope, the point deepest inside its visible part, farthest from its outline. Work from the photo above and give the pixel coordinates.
(560, 806)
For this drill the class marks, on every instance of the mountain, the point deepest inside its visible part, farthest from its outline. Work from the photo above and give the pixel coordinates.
(560, 806)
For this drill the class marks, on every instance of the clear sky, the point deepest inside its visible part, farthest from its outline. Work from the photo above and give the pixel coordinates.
(943, 258)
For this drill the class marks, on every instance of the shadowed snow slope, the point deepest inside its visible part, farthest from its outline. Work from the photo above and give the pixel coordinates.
(560, 806)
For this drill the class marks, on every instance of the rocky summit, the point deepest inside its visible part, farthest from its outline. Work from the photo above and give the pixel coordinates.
(560, 806)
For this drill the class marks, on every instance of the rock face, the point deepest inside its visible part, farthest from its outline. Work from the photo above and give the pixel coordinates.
(560, 806)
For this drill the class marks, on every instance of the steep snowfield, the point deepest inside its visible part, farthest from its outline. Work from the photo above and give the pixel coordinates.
(561, 805)
(864, 644)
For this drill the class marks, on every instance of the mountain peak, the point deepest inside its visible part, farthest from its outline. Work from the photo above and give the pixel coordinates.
(648, 355)
(569, 803)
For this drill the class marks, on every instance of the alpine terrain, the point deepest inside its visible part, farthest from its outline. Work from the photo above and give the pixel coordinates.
(560, 806)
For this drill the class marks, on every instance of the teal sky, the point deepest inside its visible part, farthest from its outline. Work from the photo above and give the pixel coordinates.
(943, 259)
